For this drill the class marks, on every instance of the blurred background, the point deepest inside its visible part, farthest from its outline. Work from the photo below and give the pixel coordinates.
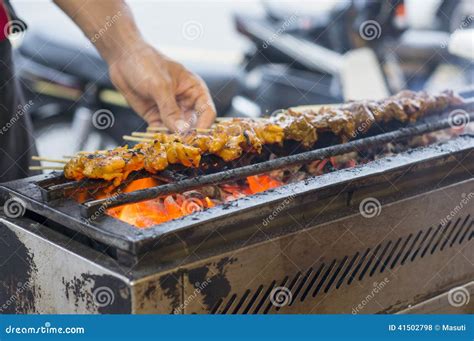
(256, 57)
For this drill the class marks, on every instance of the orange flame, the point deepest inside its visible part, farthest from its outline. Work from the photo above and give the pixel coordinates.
(261, 183)
(159, 210)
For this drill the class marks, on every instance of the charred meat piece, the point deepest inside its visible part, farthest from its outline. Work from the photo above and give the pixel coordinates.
(114, 165)
(229, 140)
(296, 126)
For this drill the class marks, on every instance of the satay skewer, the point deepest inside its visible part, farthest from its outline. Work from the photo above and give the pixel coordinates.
(136, 139)
(94, 152)
(302, 127)
(142, 134)
(167, 131)
(46, 168)
(45, 159)
(158, 129)
(224, 119)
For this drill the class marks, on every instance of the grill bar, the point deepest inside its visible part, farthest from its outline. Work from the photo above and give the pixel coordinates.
(98, 206)
(61, 187)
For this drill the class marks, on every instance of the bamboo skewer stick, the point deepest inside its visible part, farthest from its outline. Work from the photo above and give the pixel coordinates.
(153, 135)
(46, 168)
(136, 139)
(223, 119)
(158, 129)
(142, 134)
(167, 131)
(93, 152)
(45, 159)
(202, 130)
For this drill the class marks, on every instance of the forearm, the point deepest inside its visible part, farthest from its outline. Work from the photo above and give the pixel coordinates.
(159, 89)
(108, 24)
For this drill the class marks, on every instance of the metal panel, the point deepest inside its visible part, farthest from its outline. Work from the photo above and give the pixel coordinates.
(44, 272)
(353, 265)
(443, 304)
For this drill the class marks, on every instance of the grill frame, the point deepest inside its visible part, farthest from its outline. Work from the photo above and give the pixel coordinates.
(284, 262)
(177, 235)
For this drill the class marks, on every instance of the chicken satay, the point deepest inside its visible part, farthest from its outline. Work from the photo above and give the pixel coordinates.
(197, 140)
(178, 152)
(296, 127)
(269, 133)
(155, 156)
(114, 166)
(74, 169)
(229, 140)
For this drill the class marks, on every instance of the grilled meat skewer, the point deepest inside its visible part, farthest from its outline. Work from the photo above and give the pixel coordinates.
(230, 139)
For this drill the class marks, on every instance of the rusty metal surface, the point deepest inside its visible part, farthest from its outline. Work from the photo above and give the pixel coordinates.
(386, 263)
(44, 272)
(353, 265)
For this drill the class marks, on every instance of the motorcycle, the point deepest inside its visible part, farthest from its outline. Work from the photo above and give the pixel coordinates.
(301, 57)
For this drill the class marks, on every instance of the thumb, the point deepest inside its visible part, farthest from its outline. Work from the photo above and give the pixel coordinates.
(170, 112)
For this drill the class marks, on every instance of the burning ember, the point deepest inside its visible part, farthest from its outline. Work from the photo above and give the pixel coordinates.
(160, 210)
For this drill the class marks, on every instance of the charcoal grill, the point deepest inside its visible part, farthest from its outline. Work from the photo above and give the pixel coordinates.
(305, 247)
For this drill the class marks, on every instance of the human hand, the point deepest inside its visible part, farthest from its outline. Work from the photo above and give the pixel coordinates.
(161, 90)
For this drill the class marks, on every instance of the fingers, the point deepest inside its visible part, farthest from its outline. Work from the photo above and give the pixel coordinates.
(205, 111)
(145, 108)
(169, 111)
(200, 102)
(155, 90)
(152, 117)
